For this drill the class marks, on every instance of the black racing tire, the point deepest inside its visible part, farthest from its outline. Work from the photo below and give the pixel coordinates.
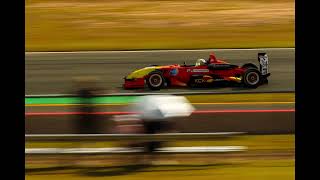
(155, 80)
(252, 78)
(249, 65)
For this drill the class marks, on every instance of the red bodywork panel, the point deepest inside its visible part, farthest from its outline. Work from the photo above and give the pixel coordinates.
(132, 84)
(214, 60)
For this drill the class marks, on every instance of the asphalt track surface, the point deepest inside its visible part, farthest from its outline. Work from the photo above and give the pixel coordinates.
(53, 73)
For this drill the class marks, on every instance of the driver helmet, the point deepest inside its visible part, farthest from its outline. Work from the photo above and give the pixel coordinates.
(200, 62)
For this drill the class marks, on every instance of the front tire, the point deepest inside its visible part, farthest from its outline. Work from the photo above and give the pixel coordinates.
(155, 80)
(252, 78)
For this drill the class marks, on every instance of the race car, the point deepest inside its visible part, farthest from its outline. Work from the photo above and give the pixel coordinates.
(203, 73)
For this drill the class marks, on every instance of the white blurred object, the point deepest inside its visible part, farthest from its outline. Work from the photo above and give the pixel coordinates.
(128, 124)
(154, 107)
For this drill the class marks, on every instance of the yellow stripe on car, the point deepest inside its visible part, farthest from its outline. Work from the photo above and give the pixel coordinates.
(140, 73)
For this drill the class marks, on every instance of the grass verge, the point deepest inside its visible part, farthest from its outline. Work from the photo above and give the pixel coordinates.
(244, 170)
(61, 25)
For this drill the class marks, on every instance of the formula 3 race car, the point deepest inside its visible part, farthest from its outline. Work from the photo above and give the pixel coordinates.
(203, 74)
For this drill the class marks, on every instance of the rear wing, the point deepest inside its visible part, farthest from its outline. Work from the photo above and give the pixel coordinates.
(264, 63)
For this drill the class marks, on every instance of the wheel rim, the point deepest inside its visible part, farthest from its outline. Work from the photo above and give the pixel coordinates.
(252, 78)
(155, 80)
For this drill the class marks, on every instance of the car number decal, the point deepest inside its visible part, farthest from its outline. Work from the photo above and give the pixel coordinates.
(200, 70)
(263, 60)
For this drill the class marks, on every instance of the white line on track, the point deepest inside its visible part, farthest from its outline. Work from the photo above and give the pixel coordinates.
(197, 149)
(174, 93)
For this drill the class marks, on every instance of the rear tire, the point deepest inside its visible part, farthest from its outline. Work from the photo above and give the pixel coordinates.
(155, 80)
(252, 78)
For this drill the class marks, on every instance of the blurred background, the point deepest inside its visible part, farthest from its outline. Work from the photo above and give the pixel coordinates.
(78, 51)
(71, 25)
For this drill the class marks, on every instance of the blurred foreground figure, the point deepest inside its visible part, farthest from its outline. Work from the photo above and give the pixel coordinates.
(129, 124)
(85, 89)
(87, 122)
(156, 112)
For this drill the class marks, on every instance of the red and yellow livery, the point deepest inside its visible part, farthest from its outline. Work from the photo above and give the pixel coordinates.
(203, 73)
